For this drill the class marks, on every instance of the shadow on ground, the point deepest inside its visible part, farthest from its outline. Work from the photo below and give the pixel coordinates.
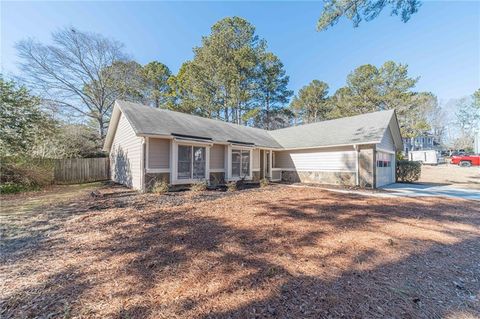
(285, 253)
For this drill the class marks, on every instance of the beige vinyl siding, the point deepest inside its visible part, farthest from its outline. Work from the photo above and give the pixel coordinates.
(256, 159)
(158, 153)
(126, 156)
(387, 141)
(338, 159)
(217, 156)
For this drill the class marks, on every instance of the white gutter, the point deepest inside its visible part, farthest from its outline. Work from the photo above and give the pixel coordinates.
(142, 164)
(327, 146)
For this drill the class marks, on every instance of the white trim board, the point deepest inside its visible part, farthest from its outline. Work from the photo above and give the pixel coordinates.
(157, 170)
(385, 151)
(314, 170)
(187, 142)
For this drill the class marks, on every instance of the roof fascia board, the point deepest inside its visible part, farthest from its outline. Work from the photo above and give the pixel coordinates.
(184, 141)
(328, 146)
(112, 127)
(397, 126)
(240, 142)
(185, 136)
(164, 136)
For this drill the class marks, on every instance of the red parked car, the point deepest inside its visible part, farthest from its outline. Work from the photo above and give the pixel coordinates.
(466, 160)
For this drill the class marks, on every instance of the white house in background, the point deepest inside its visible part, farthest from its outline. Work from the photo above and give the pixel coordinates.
(420, 143)
(148, 144)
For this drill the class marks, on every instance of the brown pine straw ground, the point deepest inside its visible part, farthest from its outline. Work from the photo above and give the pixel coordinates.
(279, 252)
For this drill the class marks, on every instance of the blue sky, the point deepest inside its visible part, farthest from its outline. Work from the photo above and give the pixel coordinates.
(441, 43)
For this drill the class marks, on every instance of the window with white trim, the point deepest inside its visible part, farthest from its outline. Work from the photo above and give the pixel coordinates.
(240, 163)
(191, 162)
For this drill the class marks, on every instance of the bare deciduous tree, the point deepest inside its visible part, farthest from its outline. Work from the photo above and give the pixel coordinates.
(73, 72)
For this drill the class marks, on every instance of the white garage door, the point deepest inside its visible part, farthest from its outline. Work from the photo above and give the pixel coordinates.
(385, 169)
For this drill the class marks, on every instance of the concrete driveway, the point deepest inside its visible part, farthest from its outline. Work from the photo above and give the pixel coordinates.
(421, 190)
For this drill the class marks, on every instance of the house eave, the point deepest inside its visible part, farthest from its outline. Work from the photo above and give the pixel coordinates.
(328, 146)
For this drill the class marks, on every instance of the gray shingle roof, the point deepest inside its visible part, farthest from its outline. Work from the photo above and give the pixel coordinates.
(151, 121)
(365, 128)
(359, 129)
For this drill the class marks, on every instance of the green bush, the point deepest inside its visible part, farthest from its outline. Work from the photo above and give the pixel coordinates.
(199, 186)
(408, 171)
(25, 173)
(11, 188)
(160, 187)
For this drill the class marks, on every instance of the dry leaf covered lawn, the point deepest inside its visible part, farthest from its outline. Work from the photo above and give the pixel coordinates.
(279, 252)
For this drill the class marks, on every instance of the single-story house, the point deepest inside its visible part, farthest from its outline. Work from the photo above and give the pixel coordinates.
(148, 144)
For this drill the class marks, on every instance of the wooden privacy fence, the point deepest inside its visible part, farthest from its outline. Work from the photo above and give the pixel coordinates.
(80, 170)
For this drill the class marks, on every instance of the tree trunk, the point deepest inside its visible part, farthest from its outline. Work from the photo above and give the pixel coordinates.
(101, 127)
(267, 113)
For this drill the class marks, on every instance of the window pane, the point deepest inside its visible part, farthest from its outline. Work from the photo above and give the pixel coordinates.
(236, 170)
(199, 162)
(184, 162)
(245, 169)
(199, 154)
(236, 154)
(184, 170)
(184, 153)
(245, 163)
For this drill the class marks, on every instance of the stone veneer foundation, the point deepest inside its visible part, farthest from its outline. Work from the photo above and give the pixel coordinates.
(320, 177)
(217, 178)
(152, 178)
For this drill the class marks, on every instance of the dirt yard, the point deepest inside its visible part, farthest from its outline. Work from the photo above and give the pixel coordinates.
(278, 252)
(462, 177)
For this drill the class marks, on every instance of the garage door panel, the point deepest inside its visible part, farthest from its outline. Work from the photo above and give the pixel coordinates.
(385, 169)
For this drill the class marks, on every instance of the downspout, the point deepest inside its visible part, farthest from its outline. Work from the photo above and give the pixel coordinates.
(142, 165)
(374, 167)
(357, 165)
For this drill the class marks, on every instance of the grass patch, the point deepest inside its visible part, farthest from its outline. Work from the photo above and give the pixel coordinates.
(13, 188)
